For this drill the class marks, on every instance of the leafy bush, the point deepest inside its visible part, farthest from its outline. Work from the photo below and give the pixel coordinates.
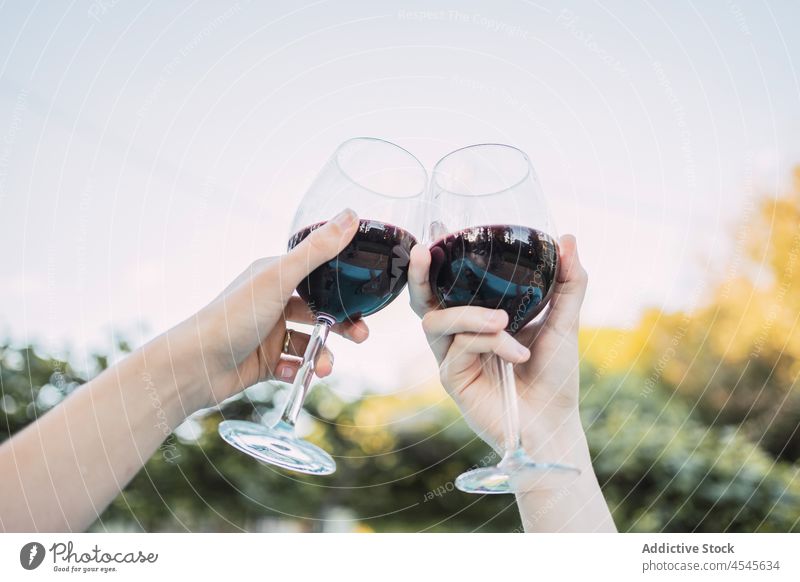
(661, 468)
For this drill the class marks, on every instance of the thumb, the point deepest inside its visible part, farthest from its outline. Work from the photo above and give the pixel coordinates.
(570, 287)
(419, 288)
(252, 309)
(323, 244)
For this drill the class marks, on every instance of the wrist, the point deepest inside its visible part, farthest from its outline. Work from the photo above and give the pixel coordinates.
(564, 442)
(164, 370)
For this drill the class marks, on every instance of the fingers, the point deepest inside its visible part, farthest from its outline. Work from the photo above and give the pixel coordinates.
(325, 363)
(464, 319)
(440, 324)
(570, 288)
(466, 347)
(298, 342)
(286, 370)
(296, 348)
(288, 365)
(256, 301)
(419, 287)
(297, 310)
(321, 245)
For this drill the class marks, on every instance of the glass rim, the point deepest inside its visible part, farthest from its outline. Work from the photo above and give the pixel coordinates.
(528, 171)
(338, 152)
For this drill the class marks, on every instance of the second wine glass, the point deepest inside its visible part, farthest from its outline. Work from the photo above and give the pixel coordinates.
(384, 185)
(495, 246)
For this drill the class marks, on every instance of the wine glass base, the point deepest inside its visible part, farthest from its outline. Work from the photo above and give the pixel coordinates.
(277, 446)
(520, 477)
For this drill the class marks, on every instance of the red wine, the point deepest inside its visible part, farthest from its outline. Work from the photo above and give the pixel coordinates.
(508, 267)
(364, 278)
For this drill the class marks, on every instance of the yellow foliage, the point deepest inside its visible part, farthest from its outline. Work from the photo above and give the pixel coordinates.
(379, 417)
(737, 355)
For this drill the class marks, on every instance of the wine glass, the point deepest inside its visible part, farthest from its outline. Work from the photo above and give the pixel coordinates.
(495, 246)
(385, 185)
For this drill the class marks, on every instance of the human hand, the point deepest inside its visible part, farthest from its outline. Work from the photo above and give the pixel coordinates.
(237, 340)
(544, 354)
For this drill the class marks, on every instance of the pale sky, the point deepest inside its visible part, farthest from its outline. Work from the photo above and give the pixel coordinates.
(150, 151)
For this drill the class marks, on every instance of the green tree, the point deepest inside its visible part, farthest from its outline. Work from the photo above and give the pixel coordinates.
(737, 357)
(663, 469)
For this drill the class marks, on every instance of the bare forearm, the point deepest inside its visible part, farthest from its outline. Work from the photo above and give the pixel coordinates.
(576, 506)
(61, 472)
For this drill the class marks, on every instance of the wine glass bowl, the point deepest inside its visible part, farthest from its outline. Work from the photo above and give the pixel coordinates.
(508, 267)
(364, 278)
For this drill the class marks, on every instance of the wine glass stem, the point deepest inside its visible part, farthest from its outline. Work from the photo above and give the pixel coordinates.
(512, 442)
(302, 382)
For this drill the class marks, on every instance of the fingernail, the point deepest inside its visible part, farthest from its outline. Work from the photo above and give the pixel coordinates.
(345, 218)
(330, 355)
(286, 372)
(355, 334)
(521, 350)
